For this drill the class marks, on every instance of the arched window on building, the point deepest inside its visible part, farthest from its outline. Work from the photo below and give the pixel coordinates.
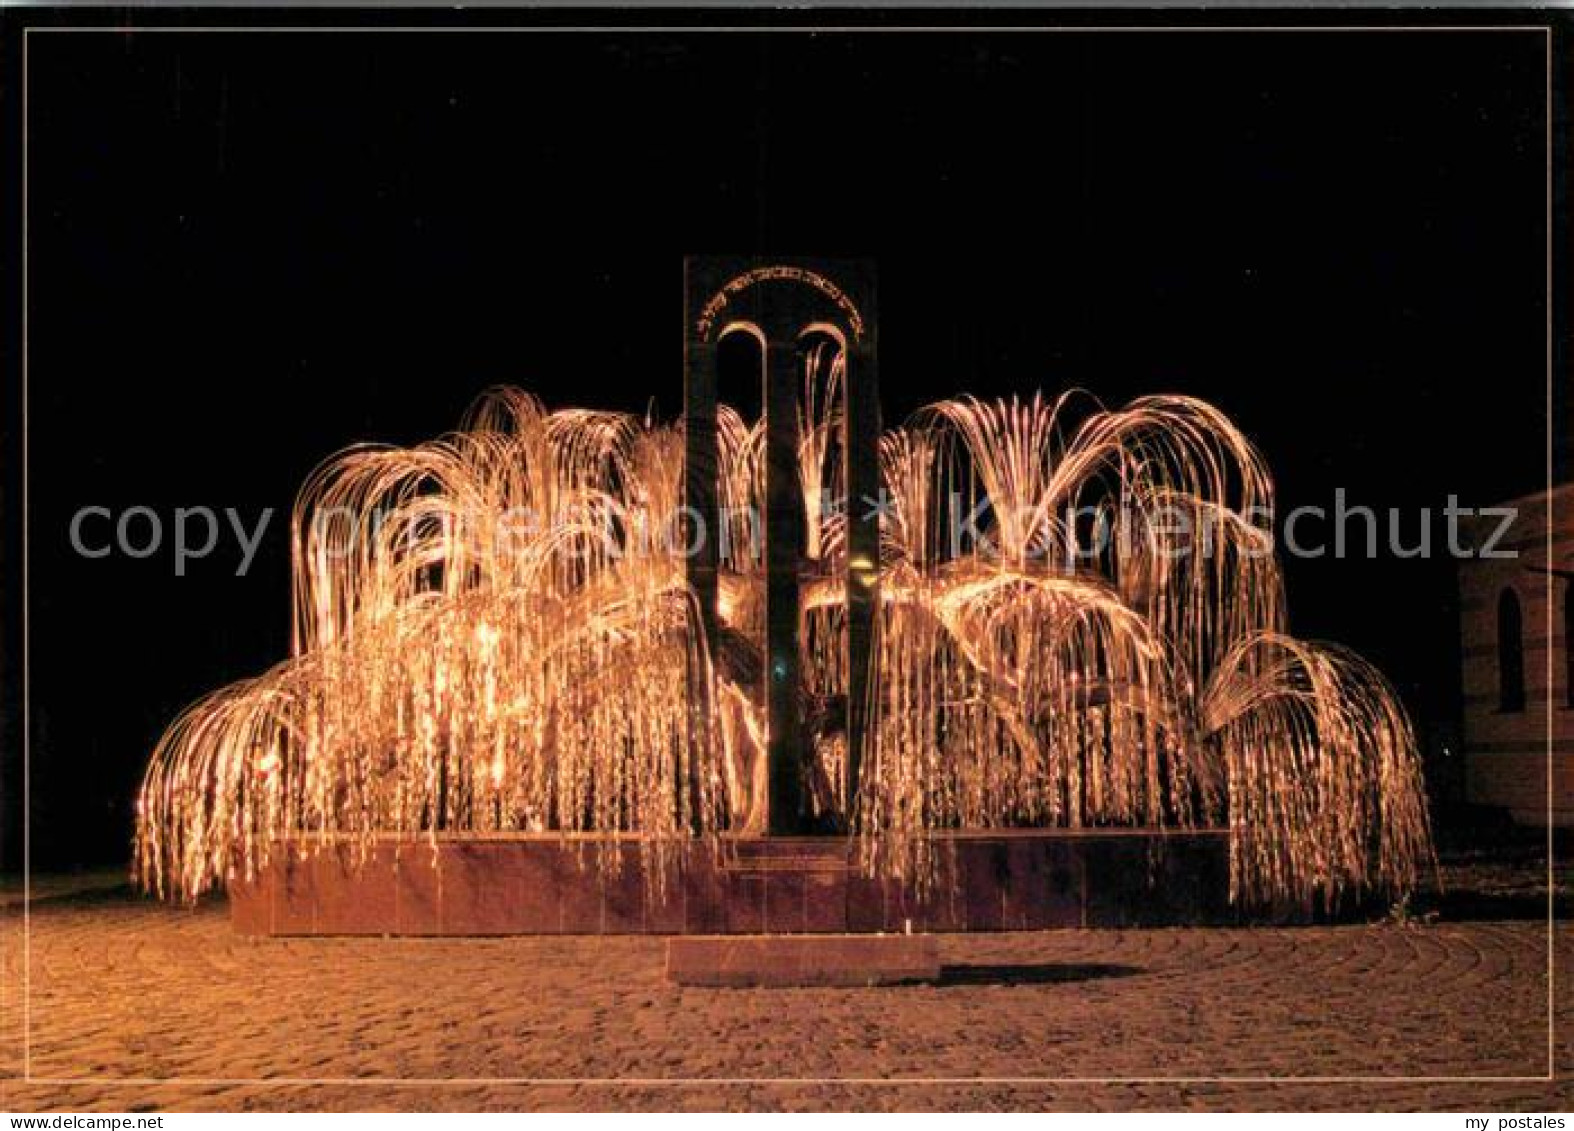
(1568, 644)
(1510, 653)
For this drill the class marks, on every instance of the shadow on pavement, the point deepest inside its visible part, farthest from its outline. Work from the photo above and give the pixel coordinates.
(1031, 974)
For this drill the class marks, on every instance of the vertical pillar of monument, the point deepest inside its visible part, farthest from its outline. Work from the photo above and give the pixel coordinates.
(779, 302)
(861, 455)
(701, 518)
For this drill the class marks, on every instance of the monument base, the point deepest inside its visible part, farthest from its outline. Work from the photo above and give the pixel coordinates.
(546, 885)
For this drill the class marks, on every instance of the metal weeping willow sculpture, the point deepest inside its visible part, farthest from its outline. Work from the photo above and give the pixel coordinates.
(1025, 613)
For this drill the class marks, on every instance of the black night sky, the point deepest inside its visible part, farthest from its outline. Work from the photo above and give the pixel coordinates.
(249, 250)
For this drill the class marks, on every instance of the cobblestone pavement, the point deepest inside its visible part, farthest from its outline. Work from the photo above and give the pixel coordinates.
(130, 991)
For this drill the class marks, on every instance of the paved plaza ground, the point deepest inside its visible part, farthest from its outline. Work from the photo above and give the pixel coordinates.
(135, 1005)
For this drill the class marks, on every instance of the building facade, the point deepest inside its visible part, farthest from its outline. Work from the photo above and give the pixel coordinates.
(1516, 626)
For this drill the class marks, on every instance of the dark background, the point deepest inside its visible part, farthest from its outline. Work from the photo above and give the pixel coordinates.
(250, 250)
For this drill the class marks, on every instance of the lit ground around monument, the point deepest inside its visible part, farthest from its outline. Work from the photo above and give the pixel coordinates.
(126, 988)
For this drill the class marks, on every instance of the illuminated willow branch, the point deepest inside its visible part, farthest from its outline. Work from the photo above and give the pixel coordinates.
(1081, 623)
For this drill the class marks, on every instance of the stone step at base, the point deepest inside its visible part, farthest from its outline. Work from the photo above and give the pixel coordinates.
(739, 961)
